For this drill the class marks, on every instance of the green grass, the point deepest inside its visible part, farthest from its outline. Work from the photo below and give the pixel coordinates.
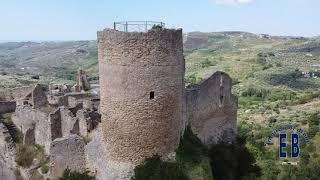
(44, 169)
(27, 153)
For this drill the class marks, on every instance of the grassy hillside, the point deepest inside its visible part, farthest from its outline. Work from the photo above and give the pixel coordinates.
(53, 61)
(277, 82)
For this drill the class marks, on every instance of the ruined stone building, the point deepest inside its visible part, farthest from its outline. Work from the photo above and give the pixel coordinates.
(145, 106)
(212, 109)
(143, 110)
(57, 122)
(82, 83)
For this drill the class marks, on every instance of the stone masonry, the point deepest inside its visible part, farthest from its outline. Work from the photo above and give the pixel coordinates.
(142, 92)
(7, 106)
(67, 153)
(212, 109)
(82, 83)
(144, 104)
(8, 165)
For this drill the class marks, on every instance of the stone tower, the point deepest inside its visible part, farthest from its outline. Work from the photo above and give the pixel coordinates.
(142, 92)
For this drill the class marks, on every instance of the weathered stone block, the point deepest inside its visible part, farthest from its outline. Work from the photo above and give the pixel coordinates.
(67, 152)
(212, 109)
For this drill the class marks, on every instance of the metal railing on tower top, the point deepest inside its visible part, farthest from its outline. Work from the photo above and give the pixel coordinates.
(136, 26)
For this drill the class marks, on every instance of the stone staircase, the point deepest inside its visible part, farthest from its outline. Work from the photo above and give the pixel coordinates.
(12, 131)
(9, 143)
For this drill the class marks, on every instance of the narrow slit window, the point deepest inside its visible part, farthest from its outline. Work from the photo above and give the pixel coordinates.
(221, 100)
(151, 95)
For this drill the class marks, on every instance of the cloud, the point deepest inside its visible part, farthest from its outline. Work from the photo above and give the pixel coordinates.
(233, 2)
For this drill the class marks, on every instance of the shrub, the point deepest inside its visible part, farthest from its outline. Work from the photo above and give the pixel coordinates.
(232, 161)
(206, 63)
(44, 169)
(311, 148)
(191, 79)
(190, 148)
(155, 169)
(25, 155)
(313, 122)
(272, 119)
(255, 92)
(314, 119)
(313, 130)
(278, 64)
(73, 175)
(35, 77)
(261, 60)
(267, 66)
(87, 138)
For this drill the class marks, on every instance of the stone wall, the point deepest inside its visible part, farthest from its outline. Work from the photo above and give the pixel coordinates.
(82, 83)
(67, 152)
(26, 118)
(15, 93)
(212, 109)
(67, 100)
(88, 120)
(142, 92)
(8, 165)
(96, 161)
(39, 98)
(7, 106)
(72, 101)
(58, 100)
(55, 124)
(70, 123)
(84, 118)
(43, 132)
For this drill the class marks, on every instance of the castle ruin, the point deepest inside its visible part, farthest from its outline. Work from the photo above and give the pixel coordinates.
(144, 109)
(145, 106)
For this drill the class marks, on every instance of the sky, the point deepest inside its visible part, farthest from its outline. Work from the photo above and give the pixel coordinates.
(40, 20)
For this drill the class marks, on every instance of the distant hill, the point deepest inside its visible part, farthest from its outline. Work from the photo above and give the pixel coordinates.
(230, 51)
(48, 58)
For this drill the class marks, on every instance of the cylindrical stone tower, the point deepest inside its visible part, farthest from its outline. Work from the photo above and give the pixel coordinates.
(142, 92)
